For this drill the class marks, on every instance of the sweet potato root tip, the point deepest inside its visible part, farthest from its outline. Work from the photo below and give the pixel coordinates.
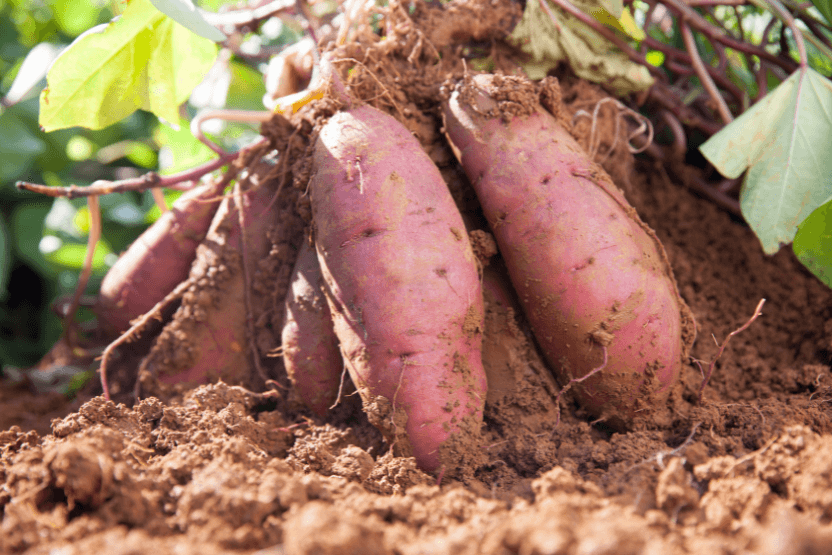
(591, 276)
(402, 284)
(157, 261)
(310, 348)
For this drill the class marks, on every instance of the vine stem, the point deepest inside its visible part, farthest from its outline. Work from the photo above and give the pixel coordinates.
(706, 80)
(786, 17)
(86, 271)
(149, 180)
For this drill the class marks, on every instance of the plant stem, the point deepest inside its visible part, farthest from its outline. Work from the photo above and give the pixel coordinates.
(706, 80)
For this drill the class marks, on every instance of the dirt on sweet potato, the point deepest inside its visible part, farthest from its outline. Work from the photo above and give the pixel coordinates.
(223, 470)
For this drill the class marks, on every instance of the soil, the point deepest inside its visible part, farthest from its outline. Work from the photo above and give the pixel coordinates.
(223, 469)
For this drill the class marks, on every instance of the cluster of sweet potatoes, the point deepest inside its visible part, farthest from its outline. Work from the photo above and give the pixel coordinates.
(387, 288)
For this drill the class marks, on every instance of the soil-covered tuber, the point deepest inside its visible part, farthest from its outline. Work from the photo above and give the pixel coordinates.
(402, 285)
(310, 348)
(593, 279)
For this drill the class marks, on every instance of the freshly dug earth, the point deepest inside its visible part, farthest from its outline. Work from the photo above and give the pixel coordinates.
(220, 469)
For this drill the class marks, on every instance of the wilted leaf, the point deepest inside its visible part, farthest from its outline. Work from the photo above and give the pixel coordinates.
(813, 242)
(186, 14)
(784, 142)
(141, 60)
(591, 56)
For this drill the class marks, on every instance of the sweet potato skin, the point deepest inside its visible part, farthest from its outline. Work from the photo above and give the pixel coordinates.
(157, 261)
(310, 348)
(402, 284)
(208, 338)
(593, 279)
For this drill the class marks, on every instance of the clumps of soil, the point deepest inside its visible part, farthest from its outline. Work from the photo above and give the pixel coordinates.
(220, 474)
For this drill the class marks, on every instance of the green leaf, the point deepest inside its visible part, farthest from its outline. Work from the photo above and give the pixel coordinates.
(813, 242)
(75, 16)
(72, 255)
(825, 8)
(784, 142)
(141, 60)
(246, 89)
(590, 56)
(18, 146)
(5, 258)
(186, 14)
(27, 230)
(180, 150)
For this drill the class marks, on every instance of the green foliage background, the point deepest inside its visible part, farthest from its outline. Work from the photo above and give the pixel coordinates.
(43, 241)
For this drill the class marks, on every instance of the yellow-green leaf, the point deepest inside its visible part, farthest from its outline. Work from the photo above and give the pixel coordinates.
(142, 59)
(624, 24)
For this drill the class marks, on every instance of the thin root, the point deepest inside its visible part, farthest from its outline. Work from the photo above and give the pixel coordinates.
(706, 376)
(133, 333)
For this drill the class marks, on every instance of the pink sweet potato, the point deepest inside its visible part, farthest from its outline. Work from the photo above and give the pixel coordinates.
(593, 279)
(157, 261)
(310, 348)
(208, 337)
(402, 285)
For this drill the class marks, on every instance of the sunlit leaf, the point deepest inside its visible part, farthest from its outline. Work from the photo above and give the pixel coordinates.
(142, 59)
(813, 242)
(784, 142)
(825, 8)
(186, 14)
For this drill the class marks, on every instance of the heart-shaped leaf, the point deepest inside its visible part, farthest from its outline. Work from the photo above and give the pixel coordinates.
(142, 59)
(784, 141)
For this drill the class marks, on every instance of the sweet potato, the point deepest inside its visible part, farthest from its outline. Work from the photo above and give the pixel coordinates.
(402, 285)
(157, 261)
(593, 279)
(208, 336)
(310, 348)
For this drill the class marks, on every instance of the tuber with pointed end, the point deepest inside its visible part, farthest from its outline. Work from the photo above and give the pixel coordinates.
(158, 260)
(402, 285)
(593, 279)
(310, 348)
